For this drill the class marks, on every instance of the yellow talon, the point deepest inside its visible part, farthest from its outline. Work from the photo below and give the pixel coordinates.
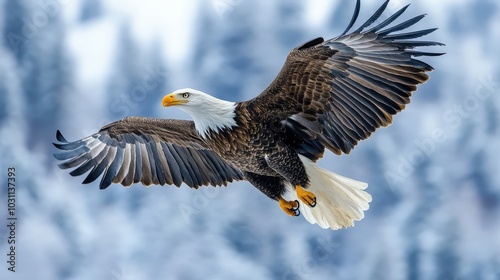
(306, 196)
(289, 207)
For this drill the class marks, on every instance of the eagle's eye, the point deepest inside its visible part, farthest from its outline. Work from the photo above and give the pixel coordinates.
(185, 95)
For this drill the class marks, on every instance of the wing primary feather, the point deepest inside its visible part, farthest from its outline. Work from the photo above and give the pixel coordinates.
(74, 156)
(184, 157)
(353, 19)
(151, 163)
(214, 173)
(420, 53)
(215, 162)
(72, 153)
(112, 169)
(76, 161)
(158, 177)
(394, 84)
(349, 131)
(60, 137)
(409, 35)
(389, 20)
(353, 122)
(172, 164)
(147, 174)
(91, 163)
(402, 25)
(356, 109)
(337, 135)
(99, 167)
(361, 68)
(396, 90)
(392, 72)
(421, 65)
(210, 168)
(411, 44)
(190, 165)
(123, 171)
(164, 164)
(129, 176)
(370, 102)
(374, 88)
(201, 167)
(373, 18)
(233, 172)
(138, 164)
(73, 145)
(184, 172)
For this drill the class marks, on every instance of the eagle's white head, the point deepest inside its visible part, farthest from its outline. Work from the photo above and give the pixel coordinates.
(208, 112)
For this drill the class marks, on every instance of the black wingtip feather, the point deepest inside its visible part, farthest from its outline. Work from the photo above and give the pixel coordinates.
(66, 155)
(60, 137)
(373, 18)
(112, 169)
(409, 35)
(419, 53)
(89, 164)
(412, 44)
(75, 161)
(354, 17)
(93, 174)
(388, 20)
(97, 170)
(402, 25)
(68, 146)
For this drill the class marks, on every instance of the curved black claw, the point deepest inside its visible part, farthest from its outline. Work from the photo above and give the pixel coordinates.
(314, 203)
(289, 207)
(296, 210)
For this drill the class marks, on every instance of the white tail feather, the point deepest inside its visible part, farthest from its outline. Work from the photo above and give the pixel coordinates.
(339, 200)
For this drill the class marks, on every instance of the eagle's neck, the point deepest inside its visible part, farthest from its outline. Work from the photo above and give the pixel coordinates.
(212, 115)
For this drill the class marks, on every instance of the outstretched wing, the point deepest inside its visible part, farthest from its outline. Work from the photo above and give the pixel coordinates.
(334, 93)
(147, 150)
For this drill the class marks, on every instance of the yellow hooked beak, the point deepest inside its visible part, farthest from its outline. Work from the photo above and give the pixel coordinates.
(171, 100)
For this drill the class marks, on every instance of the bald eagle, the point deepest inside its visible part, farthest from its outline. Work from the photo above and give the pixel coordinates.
(329, 94)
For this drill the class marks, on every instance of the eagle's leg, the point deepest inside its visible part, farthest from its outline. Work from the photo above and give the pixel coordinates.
(305, 196)
(273, 187)
(288, 164)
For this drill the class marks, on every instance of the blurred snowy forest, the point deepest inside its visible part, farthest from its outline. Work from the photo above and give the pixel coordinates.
(77, 65)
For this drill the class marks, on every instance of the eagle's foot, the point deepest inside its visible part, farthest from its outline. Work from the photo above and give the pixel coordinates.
(289, 207)
(306, 196)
